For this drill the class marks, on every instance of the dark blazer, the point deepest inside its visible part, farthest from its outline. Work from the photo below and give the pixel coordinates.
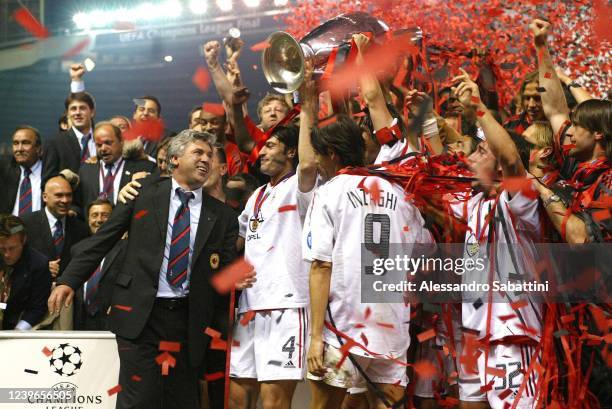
(10, 173)
(110, 268)
(146, 220)
(89, 185)
(62, 152)
(30, 289)
(39, 235)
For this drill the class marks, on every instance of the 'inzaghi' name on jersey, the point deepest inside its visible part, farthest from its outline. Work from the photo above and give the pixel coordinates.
(359, 197)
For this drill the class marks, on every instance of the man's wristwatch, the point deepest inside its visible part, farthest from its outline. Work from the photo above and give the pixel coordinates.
(574, 84)
(554, 198)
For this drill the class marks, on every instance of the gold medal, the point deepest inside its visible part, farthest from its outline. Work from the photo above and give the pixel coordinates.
(214, 260)
(254, 224)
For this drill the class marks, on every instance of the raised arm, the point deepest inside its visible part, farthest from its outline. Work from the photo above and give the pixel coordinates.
(578, 92)
(498, 138)
(307, 170)
(553, 99)
(370, 88)
(76, 78)
(222, 84)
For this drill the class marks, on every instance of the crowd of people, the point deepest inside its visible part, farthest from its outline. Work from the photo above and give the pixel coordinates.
(108, 228)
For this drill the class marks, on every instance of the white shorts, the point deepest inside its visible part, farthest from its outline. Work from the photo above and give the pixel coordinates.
(348, 377)
(271, 347)
(513, 360)
(429, 351)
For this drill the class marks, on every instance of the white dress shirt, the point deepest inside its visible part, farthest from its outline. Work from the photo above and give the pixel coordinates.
(91, 144)
(35, 181)
(52, 219)
(165, 290)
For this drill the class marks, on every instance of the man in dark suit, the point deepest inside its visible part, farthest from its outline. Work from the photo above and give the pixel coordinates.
(93, 299)
(170, 224)
(106, 178)
(23, 175)
(52, 231)
(68, 150)
(25, 281)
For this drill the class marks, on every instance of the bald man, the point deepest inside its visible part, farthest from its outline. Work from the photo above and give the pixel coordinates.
(52, 231)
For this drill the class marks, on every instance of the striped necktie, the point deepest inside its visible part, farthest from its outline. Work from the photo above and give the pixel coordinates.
(91, 301)
(58, 238)
(178, 260)
(85, 147)
(25, 193)
(108, 183)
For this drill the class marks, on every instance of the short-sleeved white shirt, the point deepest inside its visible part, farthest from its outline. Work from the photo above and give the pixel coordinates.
(338, 219)
(273, 246)
(523, 227)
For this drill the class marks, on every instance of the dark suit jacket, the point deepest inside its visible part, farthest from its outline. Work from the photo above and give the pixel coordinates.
(39, 235)
(30, 289)
(89, 174)
(62, 152)
(10, 173)
(110, 268)
(146, 220)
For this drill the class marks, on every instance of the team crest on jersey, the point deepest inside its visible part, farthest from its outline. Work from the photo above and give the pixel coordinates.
(254, 223)
(214, 260)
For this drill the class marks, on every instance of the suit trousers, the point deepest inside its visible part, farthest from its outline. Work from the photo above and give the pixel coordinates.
(143, 385)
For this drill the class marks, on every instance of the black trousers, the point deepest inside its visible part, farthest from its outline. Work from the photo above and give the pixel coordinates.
(143, 385)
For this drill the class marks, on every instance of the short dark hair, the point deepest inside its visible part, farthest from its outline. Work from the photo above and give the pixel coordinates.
(85, 97)
(154, 99)
(98, 202)
(288, 135)
(195, 109)
(595, 115)
(29, 128)
(10, 225)
(342, 137)
(62, 120)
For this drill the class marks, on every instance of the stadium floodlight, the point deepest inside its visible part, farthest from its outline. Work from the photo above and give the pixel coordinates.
(169, 9)
(281, 3)
(251, 3)
(198, 6)
(225, 5)
(168, 58)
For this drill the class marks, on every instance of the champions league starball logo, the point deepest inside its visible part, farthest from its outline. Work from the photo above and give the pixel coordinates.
(66, 360)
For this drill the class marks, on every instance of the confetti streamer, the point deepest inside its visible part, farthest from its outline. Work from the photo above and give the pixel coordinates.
(114, 390)
(123, 307)
(25, 19)
(260, 46)
(287, 208)
(247, 317)
(212, 333)
(426, 335)
(47, 351)
(136, 378)
(226, 279)
(169, 346)
(201, 79)
(213, 376)
(140, 214)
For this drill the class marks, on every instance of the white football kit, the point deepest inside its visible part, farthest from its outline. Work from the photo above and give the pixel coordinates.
(341, 218)
(271, 346)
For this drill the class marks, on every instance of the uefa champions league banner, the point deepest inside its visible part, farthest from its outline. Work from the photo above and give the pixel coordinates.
(58, 370)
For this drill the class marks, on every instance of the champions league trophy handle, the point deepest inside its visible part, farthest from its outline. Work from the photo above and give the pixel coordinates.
(283, 61)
